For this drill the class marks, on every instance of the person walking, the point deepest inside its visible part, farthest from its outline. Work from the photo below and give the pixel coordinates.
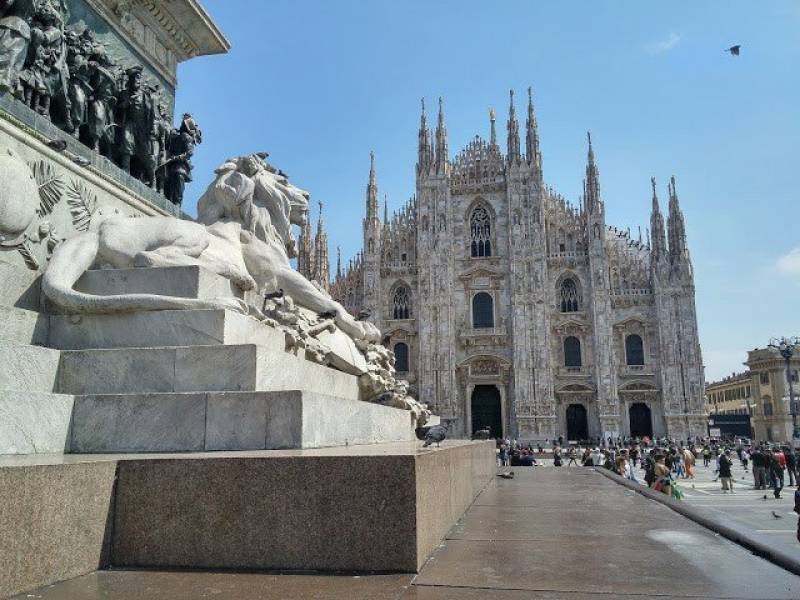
(776, 473)
(573, 455)
(725, 464)
(791, 465)
(688, 461)
(663, 476)
(503, 455)
(706, 455)
(759, 460)
(556, 456)
(797, 510)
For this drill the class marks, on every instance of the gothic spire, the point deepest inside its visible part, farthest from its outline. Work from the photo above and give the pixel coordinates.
(321, 263)
(338, 262)
(386, 210)
(305, 253)
(424, 146)
(493, 130)
(513, 131)
(532, 135)
(658, 241)
(675, 224)
(592, 182)
(441, 140)
(320, 221)
(372, 190)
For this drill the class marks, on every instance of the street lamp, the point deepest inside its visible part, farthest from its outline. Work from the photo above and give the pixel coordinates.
(787, 347)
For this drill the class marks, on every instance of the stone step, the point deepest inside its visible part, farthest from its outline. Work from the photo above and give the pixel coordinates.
(380, 507)
(19, 287)
(185, 282)
(28, 368)
(195, 422)
(20, 326)
(34, 422)
(161, 328)
(240, 367)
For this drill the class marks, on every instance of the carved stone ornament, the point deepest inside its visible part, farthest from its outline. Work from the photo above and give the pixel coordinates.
(67, 75)
(485, 367)
(242, 234)
(27, 196)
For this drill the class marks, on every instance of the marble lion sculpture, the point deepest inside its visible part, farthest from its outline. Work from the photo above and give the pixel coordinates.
(243, 233)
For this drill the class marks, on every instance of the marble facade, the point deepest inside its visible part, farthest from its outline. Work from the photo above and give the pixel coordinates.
(508, 306)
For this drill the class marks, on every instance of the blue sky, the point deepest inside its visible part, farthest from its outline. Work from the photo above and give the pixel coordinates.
(319, 84)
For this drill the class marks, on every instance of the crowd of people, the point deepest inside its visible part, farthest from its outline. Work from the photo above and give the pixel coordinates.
(666, 461)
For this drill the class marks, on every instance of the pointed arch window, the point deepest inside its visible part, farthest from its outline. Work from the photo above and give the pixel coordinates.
(634, 350)
(401, 303)
(482, 311)
(572, 352)
(480, 226)
(569, 296)
(401, 357)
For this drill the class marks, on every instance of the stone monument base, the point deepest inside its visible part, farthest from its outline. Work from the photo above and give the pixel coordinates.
(381, 507)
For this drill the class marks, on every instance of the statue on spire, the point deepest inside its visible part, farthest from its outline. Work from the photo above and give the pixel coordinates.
(513, 132)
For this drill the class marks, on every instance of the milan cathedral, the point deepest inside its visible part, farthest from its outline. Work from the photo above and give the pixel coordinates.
(511, 308)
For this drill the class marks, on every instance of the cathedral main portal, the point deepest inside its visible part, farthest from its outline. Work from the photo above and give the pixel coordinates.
(486, 409)
(577, 423)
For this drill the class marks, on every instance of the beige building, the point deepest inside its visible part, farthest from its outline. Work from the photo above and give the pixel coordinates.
(730, 395)
(771, 412)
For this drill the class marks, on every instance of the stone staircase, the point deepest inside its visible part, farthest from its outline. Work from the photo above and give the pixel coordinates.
(168, 381)
(275, 462)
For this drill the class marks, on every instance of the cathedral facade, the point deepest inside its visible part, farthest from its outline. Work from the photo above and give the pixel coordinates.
(508, 307)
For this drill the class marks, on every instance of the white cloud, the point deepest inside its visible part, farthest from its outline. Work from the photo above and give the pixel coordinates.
(789, 263)
(663, 45)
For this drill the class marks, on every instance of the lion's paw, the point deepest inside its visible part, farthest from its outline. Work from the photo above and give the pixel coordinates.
(371, 333)
(234, 304)
(244, 282)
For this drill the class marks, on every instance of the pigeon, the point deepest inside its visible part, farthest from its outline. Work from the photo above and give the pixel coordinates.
(435, 435)
(776, 515)
(421, 432)
(482, 434)
(58, 145)
(363, 315)
(274, 295)
(734, 50)
(80, 161)
(508, 475)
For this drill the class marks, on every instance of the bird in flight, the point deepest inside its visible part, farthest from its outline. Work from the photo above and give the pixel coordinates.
(734, 50)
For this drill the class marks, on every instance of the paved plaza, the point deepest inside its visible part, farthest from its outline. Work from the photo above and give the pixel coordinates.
(548, 534)
(747, 507)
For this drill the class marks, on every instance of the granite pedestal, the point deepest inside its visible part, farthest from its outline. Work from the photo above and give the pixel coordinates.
(381, 507)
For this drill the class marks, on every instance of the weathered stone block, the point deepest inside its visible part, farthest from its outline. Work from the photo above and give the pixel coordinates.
(28, 368)
(131, 370)
(363, 508)
(19, 286)
(139, 423)
(243, 367)
(194, 421)
(34, 422)
(20, 326)
(55, 522)
(185, 282)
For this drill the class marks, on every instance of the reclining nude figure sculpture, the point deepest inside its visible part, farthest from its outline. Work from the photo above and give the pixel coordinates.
(243, 233)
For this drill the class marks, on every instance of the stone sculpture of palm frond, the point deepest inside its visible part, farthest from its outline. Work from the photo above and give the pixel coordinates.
(82, 204)
(51, 186)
